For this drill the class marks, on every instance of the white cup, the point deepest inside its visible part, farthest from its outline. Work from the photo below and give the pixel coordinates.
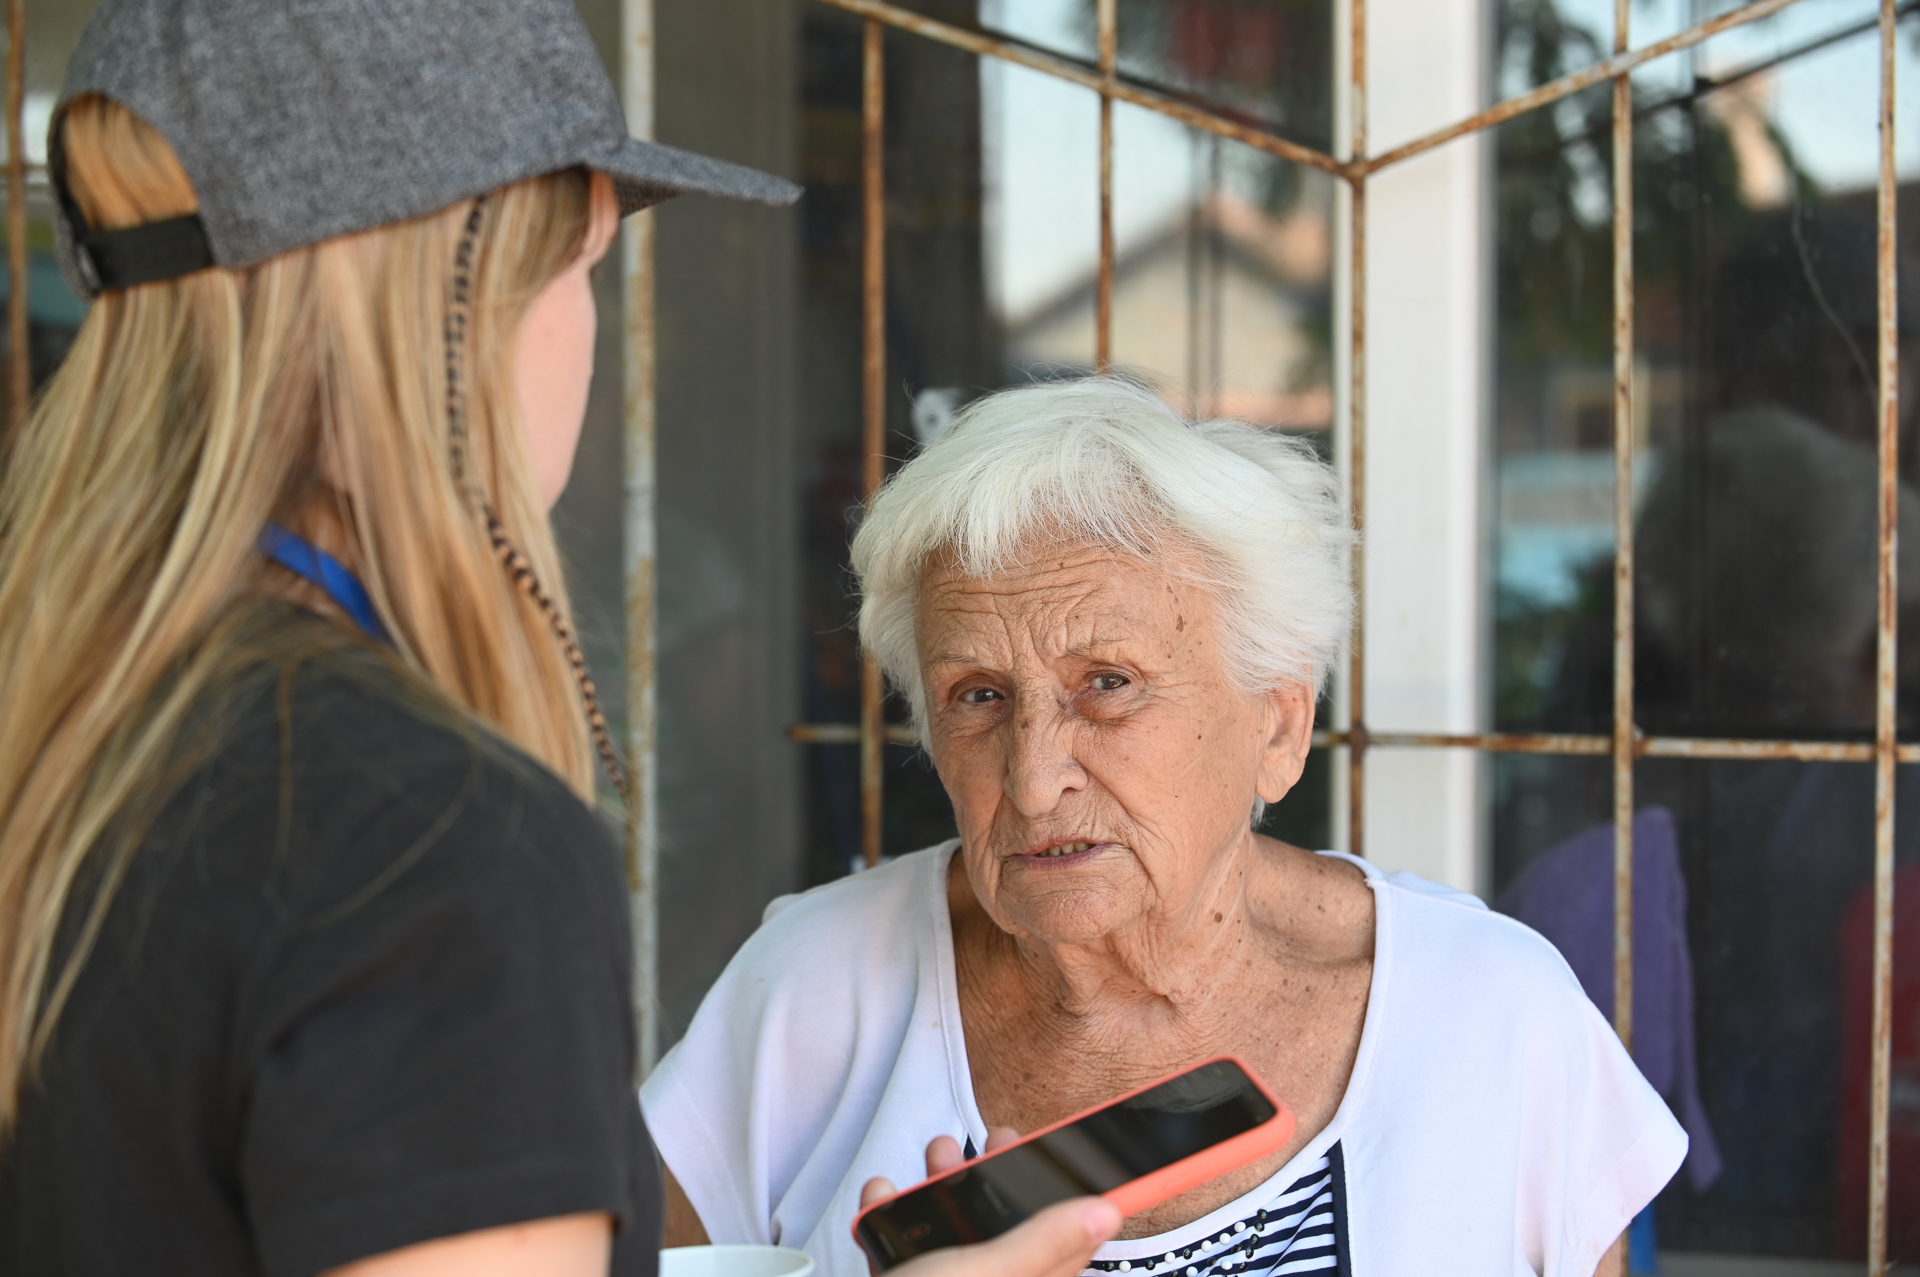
(735, 1261)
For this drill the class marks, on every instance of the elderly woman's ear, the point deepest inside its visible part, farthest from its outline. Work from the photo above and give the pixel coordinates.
(1289, 737)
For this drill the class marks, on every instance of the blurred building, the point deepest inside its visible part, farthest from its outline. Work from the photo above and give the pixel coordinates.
(1227, 296)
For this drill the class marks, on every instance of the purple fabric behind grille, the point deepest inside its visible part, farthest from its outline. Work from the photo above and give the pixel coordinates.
(1566, 895)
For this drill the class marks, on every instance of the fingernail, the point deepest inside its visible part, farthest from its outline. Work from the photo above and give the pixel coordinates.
(1101, 1219)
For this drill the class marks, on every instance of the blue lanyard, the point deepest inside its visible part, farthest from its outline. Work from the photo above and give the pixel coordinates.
(305, 559)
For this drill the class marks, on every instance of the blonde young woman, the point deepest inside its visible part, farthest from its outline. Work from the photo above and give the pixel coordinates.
(313, 957)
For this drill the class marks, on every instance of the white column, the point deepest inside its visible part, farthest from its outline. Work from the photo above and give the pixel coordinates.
(1428, 304)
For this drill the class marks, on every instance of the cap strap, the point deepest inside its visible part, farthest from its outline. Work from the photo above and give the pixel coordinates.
(143, 254)
(132, 255)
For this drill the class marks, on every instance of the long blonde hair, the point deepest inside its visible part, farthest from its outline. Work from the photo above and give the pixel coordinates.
(188, 414)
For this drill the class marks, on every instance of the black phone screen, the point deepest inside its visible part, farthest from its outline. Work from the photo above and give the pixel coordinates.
(1097, 1153)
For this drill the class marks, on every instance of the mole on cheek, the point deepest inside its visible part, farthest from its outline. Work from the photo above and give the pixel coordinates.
(1180, 623)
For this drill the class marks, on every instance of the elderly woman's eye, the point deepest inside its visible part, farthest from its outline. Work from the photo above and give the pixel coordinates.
(1109, 682)
(979, 695)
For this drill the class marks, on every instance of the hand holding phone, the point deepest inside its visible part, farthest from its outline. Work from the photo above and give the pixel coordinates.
(1137, 1150)
(1058, 1242)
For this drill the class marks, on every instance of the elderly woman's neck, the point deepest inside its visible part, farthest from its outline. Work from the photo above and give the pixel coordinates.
(1267, 911)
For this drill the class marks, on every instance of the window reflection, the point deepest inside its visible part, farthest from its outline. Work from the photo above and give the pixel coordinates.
(1221, 283)
(1755, 535)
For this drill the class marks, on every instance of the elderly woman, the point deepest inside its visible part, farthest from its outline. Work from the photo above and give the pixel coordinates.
(1111, 626)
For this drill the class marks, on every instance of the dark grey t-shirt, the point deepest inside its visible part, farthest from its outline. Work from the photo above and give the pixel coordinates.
(371, 997)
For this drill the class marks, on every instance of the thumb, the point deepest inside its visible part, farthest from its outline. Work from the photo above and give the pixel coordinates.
(1057, 1242)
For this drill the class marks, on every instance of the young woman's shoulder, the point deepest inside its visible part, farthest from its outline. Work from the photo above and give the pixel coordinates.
(335, 777)
(393, 945)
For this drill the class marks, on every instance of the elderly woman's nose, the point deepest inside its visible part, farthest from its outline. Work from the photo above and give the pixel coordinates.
(1041, 766)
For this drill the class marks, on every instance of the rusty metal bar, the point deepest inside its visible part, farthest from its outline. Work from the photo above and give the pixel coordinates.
(1644, 747)
(1886, 656)
(641, 548)
(1561, 743)
(1621, 63)
(1623, 730)
(1075, 73)
(19, 363)
(1356, 733)
(1103, 291)
(1797, 751)
(873, 741)
(846, 734)
(1490, 742)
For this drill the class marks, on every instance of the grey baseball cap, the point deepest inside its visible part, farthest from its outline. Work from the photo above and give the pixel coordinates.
(300, 120)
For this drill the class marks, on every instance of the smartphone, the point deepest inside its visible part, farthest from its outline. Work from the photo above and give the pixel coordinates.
(1136, 1150)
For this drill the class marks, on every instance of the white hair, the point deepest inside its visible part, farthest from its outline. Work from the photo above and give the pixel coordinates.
(1252, 513)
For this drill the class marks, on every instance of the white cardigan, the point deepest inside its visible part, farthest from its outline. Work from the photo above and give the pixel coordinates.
(1492, 1125)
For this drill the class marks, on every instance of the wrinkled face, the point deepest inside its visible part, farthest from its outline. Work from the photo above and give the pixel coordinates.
(1102, 764)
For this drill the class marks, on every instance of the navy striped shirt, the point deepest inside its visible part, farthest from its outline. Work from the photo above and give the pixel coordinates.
(1301, 1229)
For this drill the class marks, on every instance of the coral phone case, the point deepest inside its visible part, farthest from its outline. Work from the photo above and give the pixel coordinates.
(894, 1229)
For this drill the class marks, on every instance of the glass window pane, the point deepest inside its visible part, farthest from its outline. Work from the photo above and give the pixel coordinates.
(1042, 160)
(1221, 298)
(942, 348)
(1266, 61)
(1754, 384)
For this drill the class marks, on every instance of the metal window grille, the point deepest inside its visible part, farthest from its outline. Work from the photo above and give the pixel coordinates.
(1624, 745)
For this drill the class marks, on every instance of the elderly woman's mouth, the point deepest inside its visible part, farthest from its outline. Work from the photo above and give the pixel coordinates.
(1062, 854)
